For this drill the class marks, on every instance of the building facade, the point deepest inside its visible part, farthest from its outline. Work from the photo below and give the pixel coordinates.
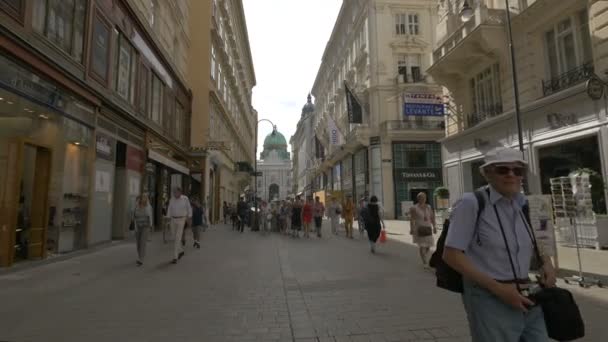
(223, 118)
(381, 49)
(559, 46)
(303, 151)
(89, 99)
(275, 165)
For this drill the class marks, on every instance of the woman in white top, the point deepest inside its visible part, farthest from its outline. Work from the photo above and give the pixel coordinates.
(422, 227)
(142, 221)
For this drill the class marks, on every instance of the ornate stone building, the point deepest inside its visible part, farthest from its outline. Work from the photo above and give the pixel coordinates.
(275, 165)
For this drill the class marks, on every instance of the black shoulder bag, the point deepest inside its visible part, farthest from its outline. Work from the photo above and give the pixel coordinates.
(562, 316)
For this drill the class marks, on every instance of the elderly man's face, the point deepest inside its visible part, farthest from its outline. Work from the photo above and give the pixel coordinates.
(177, 193)
(505, 177)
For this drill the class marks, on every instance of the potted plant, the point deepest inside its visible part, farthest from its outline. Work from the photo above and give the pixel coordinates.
(442, 195)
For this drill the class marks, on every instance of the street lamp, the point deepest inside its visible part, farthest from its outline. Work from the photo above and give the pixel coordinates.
(255, 169)
(465, 15)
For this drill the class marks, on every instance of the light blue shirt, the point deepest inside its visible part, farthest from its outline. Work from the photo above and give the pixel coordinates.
(484, 244)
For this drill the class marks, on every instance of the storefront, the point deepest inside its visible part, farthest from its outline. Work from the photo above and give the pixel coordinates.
(337, 176)
(416, 169)
(360, 173)
(46, 146)
(347, 175)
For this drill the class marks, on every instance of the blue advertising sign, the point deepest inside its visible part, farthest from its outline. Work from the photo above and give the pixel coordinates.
(423, 104)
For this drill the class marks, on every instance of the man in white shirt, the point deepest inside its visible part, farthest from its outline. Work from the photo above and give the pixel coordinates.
(180, 212)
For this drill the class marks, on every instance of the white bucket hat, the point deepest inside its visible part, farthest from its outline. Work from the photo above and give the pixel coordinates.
(503, 155)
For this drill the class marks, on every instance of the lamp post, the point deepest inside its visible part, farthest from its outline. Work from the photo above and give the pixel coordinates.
(466, 14)
(255, 169)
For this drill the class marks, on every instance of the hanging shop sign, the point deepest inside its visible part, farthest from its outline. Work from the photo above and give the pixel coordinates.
(419, 174)
(595, 88)
(423, 104)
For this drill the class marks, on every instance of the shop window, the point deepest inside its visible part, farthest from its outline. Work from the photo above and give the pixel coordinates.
(560, 160)
(126, 66)
(14, 8)
(416, 158)
(61, 22)
(100, 48)
(156, 102)
(180, 123)
(169, 114)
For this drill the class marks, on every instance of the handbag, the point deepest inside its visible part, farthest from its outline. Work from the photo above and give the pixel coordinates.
(132, 225)
(562, 316)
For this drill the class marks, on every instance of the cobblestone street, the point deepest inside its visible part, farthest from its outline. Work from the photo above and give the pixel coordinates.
(243, 287)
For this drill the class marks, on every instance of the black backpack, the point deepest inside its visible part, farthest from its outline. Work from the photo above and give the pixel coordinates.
(447, 277)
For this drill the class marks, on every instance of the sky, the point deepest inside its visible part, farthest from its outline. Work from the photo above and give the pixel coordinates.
(287, 39)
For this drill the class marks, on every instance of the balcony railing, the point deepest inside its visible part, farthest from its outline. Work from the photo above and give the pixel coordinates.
(489, 112)
(568, 79)
(419, 123)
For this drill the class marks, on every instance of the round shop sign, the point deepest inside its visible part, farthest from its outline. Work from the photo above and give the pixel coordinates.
(595, 88)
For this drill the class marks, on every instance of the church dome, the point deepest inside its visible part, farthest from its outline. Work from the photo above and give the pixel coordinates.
(308, 107)
(274, 140)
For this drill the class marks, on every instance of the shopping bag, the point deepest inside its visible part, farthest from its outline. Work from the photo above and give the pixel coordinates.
(383, 236)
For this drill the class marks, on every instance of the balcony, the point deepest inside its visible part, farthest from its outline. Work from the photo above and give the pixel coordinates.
(490, 112)
(568, 79)
(477, 41)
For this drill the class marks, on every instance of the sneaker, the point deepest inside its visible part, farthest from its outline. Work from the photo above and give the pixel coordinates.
(180, 255)
(174, 261)
(139, 263)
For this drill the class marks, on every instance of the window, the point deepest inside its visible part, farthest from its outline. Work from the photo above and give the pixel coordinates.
(61, 22)
(485, 92)
(407, 24)
(213, 62)
(408, 68)
(13, 8)
(100, 48)
(156, 102)
(143, 89)
(168, 120)
(416, 158)
(412, 20)
(125, 69)
(568, 44)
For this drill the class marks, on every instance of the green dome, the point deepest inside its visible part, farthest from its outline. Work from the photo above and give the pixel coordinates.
(275, 139)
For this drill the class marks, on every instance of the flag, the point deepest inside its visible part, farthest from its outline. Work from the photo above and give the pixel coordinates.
(334, 132)
(355, 110)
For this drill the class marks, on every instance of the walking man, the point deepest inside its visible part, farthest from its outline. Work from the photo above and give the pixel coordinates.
(180, 212)
(491, 246)
(348, 214)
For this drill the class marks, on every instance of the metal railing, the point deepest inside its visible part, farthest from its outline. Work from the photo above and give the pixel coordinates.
(568, 79)
(489, 112)
(416, 123)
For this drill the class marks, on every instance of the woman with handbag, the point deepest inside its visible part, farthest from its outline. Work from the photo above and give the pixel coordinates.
(141, 220)
(422, 227)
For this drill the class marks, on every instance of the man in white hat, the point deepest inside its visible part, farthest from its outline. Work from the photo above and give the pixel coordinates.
(494, 266)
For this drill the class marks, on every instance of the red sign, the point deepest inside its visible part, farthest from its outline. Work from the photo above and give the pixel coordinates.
(135, 159)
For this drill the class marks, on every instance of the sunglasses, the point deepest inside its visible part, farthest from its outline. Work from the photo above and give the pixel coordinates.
(505, 170)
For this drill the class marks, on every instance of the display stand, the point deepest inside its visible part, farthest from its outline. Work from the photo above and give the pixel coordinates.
(574, 218)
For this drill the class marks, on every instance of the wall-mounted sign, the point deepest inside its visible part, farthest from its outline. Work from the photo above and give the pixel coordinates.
(104, 145)
(423, 104)
(419, 174)
(558, 120)
(374, 140)
(135, 159)
(218, 146)
(387, 160)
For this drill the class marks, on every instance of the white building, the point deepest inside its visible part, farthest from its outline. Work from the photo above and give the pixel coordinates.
(381, 49)
(303, 150)
(559, 46)
(275, 165)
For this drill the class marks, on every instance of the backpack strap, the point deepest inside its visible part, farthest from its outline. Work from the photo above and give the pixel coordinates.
(481, 204)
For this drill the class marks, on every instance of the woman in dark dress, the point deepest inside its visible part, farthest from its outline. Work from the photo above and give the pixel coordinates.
(296, 217)
(373, 222)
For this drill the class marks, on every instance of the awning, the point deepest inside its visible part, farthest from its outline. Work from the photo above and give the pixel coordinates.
(168, 162)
